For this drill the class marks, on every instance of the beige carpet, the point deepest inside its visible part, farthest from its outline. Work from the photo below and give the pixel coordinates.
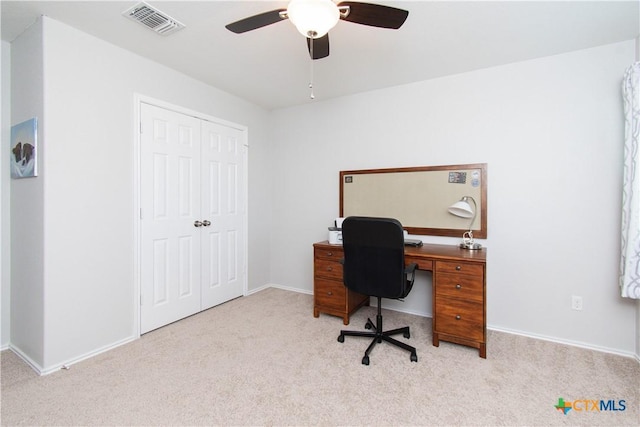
(265, 360)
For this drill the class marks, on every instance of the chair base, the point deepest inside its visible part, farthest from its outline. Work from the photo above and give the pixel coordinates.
(379, 335)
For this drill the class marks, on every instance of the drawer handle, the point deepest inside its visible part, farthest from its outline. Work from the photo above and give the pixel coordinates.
(329, 268)
(329, 253)
(458, 267)
(458, 286)
(458, 317)
(329, 293)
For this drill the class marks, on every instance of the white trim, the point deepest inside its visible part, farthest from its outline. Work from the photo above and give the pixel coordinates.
(139, 99)
(245, 219)
(182, 110)
(26, 359)
(41, 371)
(414, 312)
(571, 343)
(284, 288)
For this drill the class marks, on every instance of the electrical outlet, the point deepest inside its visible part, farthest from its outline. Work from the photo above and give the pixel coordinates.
(576, 302)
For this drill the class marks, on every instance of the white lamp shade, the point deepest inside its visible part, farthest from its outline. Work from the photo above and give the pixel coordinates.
(313, 18)
(462, 209)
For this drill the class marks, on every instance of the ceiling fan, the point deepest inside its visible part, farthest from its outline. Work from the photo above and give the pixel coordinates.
(314, 19)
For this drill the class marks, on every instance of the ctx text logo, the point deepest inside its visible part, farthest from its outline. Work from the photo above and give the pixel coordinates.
(588, 405)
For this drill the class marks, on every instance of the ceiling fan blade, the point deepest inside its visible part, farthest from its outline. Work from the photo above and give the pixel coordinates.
(375, 15)
(256, 21)
(320, 47)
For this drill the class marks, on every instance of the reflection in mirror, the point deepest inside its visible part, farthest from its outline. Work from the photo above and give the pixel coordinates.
(419, 197)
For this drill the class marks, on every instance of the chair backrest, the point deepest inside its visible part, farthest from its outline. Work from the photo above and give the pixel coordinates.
(374, 256)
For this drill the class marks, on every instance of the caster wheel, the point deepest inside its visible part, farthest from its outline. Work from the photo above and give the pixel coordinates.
(407, 335)
(414, 357)
(365, 360)
(368, 325)
(340, 338)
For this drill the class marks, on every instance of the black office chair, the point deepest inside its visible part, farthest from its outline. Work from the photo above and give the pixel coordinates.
(374, 266)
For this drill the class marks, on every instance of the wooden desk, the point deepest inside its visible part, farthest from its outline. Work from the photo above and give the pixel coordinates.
(459, 290)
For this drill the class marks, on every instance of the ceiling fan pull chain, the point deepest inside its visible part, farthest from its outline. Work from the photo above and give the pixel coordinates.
(311, 95)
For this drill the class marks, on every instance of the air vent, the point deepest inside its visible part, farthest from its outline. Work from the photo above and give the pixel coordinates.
(153, 19)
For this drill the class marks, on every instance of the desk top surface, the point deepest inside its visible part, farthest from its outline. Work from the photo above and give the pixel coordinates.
(435, 252)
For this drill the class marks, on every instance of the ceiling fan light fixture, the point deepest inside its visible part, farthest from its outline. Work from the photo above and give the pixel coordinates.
(313, 18)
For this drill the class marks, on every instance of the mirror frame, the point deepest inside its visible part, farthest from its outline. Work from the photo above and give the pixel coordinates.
(427, 231)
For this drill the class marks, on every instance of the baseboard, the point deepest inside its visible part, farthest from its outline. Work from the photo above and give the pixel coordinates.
(26, 359)
(285, 288)
(571, 343)
(400, 309)
(55, 368)
(586, 346)
(261, 288)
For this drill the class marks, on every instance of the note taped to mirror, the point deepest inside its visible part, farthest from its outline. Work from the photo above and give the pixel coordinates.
(457, 177)
(418, 197)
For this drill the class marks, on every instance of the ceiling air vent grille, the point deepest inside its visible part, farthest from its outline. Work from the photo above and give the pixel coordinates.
(153, 19)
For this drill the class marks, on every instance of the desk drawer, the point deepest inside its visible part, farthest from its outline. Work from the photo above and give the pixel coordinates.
(459, 286)
(423, 264)
(331, 294)
(467, 268)
(335, 253)
(460, 318)
(328, 268)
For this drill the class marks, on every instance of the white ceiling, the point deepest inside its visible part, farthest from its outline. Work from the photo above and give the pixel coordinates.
(271, 67)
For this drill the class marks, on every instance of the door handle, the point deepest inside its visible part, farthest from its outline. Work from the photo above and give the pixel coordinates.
(197, 224)
(206, 223)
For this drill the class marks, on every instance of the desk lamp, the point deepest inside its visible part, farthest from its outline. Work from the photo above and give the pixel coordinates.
(462, 209)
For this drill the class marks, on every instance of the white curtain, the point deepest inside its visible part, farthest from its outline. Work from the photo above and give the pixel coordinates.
(630, 260)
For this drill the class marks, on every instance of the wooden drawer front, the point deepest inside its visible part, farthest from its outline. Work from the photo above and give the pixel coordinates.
(460, 318)
(460, 286)
(331, 269)
(423, 262)
(329, 293)
(467, 268)
(331, 253)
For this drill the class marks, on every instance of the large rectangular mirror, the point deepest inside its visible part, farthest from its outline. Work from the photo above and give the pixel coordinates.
(418, 197)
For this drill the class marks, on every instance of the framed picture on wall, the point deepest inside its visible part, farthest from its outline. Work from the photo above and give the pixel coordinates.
(24, 149)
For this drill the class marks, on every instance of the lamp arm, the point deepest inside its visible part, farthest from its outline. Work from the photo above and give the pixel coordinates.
(467, 237)
(475, 213)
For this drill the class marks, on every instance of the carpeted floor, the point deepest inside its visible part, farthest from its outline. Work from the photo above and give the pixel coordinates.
(265, 360)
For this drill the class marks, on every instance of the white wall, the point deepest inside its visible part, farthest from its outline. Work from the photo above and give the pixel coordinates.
(27, 207)
(551, 131)
(5, 226)
(88, 197)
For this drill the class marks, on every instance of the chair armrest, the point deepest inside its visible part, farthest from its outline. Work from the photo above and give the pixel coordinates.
(411, 268)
